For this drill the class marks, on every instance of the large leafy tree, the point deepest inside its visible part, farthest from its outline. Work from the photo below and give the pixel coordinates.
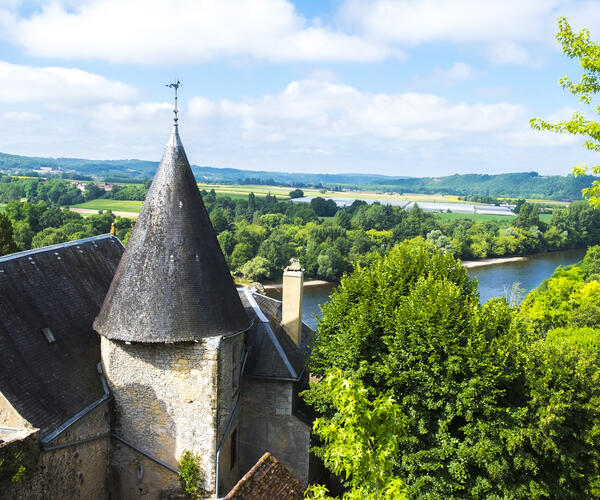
(470, 379)
(7, 242)
(360, 441)
(579, 46)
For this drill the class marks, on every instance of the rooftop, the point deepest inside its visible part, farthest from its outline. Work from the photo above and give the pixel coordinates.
(173, 284)
(269, 479)
(48, 350)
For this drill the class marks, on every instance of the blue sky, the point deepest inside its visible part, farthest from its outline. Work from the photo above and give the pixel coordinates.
(416, 87)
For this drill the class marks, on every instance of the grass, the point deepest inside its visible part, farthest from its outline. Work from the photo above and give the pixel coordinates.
(476, 217)
(242, 191)
(114, 205)
(2, 206)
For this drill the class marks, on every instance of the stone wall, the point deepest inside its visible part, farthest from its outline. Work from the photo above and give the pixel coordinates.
(168, 398)
(74, 472)
(9, 416)
(268, 424)
(231, 357)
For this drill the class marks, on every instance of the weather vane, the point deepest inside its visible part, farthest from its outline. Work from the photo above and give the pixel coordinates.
(175, 86)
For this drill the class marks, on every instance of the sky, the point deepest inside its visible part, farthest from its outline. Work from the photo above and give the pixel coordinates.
(395, 87)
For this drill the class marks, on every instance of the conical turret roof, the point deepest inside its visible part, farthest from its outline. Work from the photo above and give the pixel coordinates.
(172, 283)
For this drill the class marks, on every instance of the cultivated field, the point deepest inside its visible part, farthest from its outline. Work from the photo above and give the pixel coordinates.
(487, 217)
(476, 217)
(114, 205)
(126, 207)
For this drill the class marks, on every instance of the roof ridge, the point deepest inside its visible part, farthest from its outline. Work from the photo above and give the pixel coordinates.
(57, 246)
(270, 333)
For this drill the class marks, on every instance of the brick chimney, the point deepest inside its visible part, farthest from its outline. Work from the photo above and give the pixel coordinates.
(291, 314)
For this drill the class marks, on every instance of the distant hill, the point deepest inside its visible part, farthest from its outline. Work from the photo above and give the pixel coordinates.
(140, 169)
(514, 185)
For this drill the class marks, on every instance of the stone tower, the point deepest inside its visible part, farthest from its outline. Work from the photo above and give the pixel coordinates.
(172, 332)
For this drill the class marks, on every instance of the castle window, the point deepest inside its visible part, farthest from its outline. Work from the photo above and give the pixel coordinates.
(49, 335)
(234, 443)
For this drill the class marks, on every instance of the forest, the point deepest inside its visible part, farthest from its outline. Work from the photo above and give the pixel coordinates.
(513, 185)
(258, 236)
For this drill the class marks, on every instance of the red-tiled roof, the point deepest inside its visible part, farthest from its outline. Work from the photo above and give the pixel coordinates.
(269, 479)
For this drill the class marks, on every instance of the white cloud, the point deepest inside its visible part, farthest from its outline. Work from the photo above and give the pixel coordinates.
(418, 21)
(161, 31)
(509, 53)
(20, 116)
(338, 112)
(51, 85)
(458, 72)
(201, 107)
(310, 125)
(507, 32)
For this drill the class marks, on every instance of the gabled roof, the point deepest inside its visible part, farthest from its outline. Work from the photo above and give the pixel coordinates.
(272, 354)
(269, 479)
(61, 288)
(173, 283)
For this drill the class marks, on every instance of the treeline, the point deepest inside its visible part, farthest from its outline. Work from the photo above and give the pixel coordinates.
(35, 225)
(514, 185)
(59, 192)
(258, 236)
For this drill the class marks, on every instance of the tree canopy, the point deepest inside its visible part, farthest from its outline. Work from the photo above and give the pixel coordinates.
(579, 46)
(492, 409)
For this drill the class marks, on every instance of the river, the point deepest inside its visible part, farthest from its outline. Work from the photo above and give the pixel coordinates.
(494, 281)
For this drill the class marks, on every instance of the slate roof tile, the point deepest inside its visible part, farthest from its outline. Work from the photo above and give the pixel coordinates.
(173, 283)
(60, 287)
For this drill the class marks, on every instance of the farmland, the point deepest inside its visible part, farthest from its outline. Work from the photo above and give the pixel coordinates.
(114, 205)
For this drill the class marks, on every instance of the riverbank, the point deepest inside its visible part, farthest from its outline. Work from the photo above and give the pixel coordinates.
(470, 264)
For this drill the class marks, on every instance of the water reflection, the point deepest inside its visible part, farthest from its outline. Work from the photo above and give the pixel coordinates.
(495, 281)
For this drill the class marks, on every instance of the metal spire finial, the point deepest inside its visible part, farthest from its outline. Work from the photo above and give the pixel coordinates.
(175, 86)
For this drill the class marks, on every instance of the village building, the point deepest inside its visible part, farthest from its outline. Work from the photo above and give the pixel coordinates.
(115, 361)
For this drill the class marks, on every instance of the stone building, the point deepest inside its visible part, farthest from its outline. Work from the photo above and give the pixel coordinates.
(176, 359)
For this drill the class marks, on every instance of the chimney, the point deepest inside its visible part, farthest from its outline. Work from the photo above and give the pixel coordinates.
(291, 314)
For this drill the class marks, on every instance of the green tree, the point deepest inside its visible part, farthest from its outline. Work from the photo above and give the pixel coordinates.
(23, 234)
(49, 236)
(492, 410)
(579, 46)
(360, 442)
(7, 242)
(241, 254)
(296, 193)
(256, 269)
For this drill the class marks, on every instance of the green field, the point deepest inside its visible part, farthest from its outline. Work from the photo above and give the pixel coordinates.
(114, 205)
(503, 219)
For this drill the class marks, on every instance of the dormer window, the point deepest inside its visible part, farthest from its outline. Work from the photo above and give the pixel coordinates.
(49, 335)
